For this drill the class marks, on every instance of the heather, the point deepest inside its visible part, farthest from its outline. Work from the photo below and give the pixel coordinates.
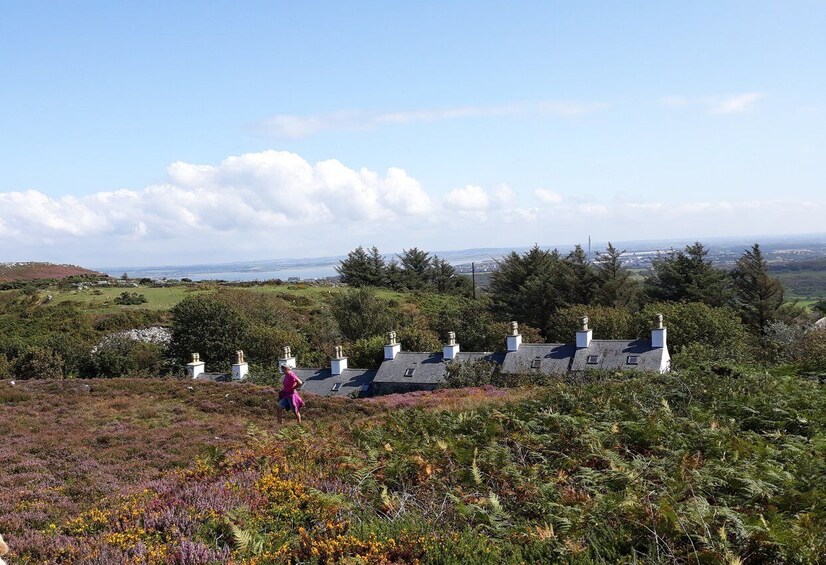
(693, 466)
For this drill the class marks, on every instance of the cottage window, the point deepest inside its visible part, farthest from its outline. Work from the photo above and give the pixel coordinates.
(409, 372)
(336, 387)
(632, 359)
(592, 359)
(535, 363)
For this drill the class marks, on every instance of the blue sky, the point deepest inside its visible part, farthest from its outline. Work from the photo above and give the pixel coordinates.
(158, 132)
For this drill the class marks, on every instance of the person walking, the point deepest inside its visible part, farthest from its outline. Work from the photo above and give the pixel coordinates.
(288, 398)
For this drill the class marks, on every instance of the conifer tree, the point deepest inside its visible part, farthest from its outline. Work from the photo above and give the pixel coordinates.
(686, 276)
(757, 295)
(617, 286)
(363, 268)
(415, 266)
(582, 283)
(529, 288)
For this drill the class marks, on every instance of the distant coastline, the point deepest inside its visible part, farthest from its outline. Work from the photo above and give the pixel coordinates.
(723, 251)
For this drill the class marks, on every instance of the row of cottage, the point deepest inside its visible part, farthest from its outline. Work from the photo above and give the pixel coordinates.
(405, 371)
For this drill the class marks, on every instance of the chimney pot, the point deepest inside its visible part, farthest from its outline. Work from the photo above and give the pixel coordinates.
(287, 358)
(658, 333)
(584, 335)
(451, 348)
(240, 369)
(339, 364)
(196, 367)
(514, 340)
(391, 348)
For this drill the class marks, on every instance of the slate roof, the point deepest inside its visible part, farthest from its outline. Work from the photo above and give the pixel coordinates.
(322, 381)
(428, 368)
(215, 377)
(603, 354)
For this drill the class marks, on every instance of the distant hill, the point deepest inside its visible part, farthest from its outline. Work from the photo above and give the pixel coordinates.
(32, 271)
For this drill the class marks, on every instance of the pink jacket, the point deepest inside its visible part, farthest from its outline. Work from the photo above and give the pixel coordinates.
(290, 390)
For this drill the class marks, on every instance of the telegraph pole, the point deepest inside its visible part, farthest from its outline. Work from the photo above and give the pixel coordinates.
(473, 276)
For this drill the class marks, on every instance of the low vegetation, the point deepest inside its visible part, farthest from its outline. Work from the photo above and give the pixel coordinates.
(687, 467)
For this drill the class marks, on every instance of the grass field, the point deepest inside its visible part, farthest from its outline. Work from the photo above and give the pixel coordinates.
(163, 298)
(102, 299)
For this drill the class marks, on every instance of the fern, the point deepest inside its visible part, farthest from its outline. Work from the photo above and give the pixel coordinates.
(474, 468)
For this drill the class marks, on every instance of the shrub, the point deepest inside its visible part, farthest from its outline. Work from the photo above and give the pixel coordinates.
(607, 323)
(810, 353)
(204, 325)
(130, 298)
(699, 324)
(366, 353)
(120, 356)
(471, 373)
(38, 363)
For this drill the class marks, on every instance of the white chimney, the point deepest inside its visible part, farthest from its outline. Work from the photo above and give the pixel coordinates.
(584, 335)
(451, 347)
(658, 332)
(339, 363)
(240, 369)
(287, 358)
(196, 367)
(515, 338)
(392, 347)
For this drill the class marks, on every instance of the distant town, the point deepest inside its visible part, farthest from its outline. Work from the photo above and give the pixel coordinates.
(638, 255)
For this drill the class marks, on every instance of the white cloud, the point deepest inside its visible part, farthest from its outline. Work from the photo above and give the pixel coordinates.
(267, 194)
(276, 204)
(547, 196)
(470, 197)
(737, 103)
(503, 195)
(732, 104)
(295, 126)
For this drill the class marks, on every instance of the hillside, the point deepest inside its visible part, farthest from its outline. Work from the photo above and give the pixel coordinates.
(674, 468)
(32, 271)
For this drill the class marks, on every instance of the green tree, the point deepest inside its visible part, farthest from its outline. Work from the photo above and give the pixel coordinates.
(205, 325)
(395, 275)
(582, 282)
(757, 295)
(617, 286)
(363, 268)
(687, 276)
(360, 313)
(529, 288)
(445, 279)
(415, 266)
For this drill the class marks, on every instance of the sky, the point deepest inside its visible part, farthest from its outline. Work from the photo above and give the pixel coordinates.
(157, 133)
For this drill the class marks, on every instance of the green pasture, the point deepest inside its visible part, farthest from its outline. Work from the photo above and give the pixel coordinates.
(102, 299)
